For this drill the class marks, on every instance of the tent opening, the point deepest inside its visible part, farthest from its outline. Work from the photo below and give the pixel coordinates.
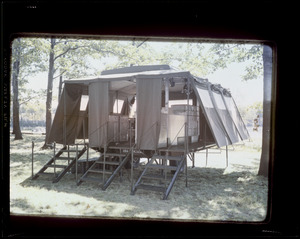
(84, 102)
(118, 106)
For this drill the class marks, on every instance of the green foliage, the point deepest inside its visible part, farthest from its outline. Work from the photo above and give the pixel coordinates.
(72, 57)
(257, 107)
(127, 53)
(33, 110)
(249, 113)
(28, 52)
(225, 54)
(194, 59)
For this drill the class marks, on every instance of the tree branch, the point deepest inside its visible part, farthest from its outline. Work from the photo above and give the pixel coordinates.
(69, 49)
(59, 74)
(33, 95)
(142, 43)
(65, 52)
(66, 41)
(27, 100)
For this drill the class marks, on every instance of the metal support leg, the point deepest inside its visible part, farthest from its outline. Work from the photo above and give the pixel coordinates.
(193, 160)
(206, 157)
(68, 147)
(104, 161)
(76, 164)
(32, 149)
(121, 171)
(186, 174)
(165, 171)
(87, 158)
(54, 159)
(131, 170)
(226, 156)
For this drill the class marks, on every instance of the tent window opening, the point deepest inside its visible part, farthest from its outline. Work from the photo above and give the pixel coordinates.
(84, 102)
(132, 113)
(118, 106)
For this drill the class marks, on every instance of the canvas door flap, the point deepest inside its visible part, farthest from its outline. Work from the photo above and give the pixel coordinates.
(98, 109)
(148, 113)
(64, 126)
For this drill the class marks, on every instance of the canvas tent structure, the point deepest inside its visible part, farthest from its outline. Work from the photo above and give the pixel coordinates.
(176, 115)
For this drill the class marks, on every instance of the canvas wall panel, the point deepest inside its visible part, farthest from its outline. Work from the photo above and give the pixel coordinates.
(226, 119)
(64, 126)
(148, 113)
(212, 117)
(98, 113)
(236, 117)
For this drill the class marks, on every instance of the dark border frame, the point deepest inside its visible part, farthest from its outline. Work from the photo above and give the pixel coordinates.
(258, 21)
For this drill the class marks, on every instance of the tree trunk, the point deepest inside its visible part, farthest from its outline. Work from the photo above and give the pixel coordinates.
(59, 87)
(16, 105)
(264, 160)
(49, 93)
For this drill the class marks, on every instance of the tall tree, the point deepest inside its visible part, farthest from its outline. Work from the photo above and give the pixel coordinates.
(15, 87)
(51, 71)
(27, 59)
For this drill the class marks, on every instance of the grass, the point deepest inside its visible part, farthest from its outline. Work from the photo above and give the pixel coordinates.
(214, 192)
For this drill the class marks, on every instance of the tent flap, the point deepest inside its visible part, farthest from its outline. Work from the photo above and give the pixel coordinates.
(67, 113)
(221, 113)
(228, 125)
(236, 117)
(148, 113)
(212, 117)
(98, 113)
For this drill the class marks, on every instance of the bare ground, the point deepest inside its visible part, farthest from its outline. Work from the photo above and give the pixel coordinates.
(214, 192)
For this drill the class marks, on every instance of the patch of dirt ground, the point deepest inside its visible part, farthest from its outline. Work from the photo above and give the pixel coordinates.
(214, 192)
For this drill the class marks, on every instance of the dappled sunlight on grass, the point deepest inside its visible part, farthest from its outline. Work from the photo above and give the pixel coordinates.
(214, 192)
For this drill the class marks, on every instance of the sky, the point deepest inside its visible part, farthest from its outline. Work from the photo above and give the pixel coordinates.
(244, 92)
